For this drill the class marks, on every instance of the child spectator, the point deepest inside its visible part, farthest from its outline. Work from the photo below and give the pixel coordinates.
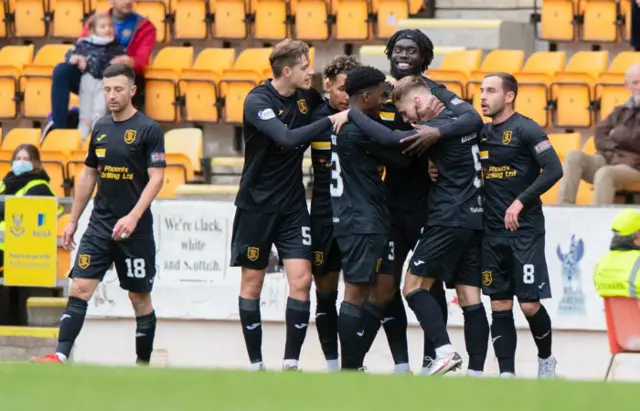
(92, 55)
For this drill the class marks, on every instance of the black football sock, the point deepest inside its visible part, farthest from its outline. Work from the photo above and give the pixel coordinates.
(70, 324)
(371, 316)
(251, 322)
(145, 333)
(438, 292)
(327, 323)
(297, 321)
(540, 325)
(476, 335)
(429, 316)
(505, 339)
(350, 333)
(395, 326)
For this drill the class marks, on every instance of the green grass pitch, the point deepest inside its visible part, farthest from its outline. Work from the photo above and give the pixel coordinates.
(44, 387)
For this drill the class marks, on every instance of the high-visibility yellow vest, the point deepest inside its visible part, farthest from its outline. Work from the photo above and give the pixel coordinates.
(21, 193)
(616, 274)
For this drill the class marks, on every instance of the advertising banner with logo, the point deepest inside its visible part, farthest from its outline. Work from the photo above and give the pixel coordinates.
(194, 279)
(30, 241)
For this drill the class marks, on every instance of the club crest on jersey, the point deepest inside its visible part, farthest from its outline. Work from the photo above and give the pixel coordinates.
(378, 264)
(130, 136)
(506, 137)
(302, 106)
(487, 278)
(318, 258)
(84, 261)
(253, 253)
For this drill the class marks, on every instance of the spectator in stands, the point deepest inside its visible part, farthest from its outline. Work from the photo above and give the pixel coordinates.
(26, 178)
(616, 164)
(92, 55)
(136, 33)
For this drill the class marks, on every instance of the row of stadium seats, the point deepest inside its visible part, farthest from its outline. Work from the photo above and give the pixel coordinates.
(550, 92)
(595, 21)
(219, 19)
(63, 156)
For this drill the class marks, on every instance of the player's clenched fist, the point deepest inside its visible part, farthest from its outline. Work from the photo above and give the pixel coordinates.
(124, 228)
(67, 236)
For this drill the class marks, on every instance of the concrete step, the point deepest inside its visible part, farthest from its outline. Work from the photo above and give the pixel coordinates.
(22, 343)
(45, 311)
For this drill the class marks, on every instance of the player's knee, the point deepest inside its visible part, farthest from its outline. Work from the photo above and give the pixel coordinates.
(327, 283)
(529, 307)
(83, 288)
(299, 284)
(356, 294)
(411, 283)
(251, 283)
(501, 303)
(384, 290)
(467, 295)
(141, 303)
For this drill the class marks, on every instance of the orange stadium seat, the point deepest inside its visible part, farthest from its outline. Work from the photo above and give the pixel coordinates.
(29, 18)
(310, 19)
(236, 83)
(3, 22)
(557, 20)
(190, 19)
(35, 81)
(510, 61)
(176, 174)
(75, 165)
(161, 83)
(63, 257)
(230, 18)
(599, 21)
(62, 140)
(623, 327)
(12, 61)
(455, 70)
(590, 146)
(534, 84)
(625, 12)
(561, 143)
(18, 136)
(100, 6)
(200, 84)
(189, 142)
(270, 19)
(610, 89)
(388, 13)
(573, 89)
(351, 19)
(67, 18)
(54, 163)
(156, 11)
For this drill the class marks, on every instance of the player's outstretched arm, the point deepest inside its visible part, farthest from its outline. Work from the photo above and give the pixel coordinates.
(546, 157)
(376, 131)
(468, 121)
(260, 113)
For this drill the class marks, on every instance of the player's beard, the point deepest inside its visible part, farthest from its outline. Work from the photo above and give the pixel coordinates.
(398, 74)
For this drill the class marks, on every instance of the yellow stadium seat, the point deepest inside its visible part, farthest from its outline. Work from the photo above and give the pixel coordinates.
(599, 21)
(584, 196)
(200, 84)
(67, 18)
(246, 73)
(455, 70)
(310, 19)
(18, 136)
(156, 11)
(54, 163)
(101, 6)
(62, 140)
(388, 13)
(557, 20)
(270, 19)
(230, 19)
(63, 260)
(3, 24)
(590, 146)
(187, 141)
(351, 19)
(35, 81)
(190, 20)
(161, 83)
(74, 168)
(29, 18)
(563, 143)
(610, 89)
(573, 89)
(12, 62)
(178, 172)
(625, 12)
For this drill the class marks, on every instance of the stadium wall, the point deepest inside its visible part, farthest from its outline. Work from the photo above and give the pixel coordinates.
(195, 295)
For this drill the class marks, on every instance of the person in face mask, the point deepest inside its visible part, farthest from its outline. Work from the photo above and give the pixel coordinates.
(92, 55)
(616, 165)
(26, 178)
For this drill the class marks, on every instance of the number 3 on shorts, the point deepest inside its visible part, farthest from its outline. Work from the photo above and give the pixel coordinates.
(136, 268)
(528, 274)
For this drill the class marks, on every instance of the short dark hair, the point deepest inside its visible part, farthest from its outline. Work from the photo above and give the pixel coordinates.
(509, 82)
(116, 70)
(361, 79)
(424, 44)
(340, 65)
(287, 53)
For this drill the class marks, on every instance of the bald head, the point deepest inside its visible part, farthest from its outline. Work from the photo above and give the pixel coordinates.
(632, 81)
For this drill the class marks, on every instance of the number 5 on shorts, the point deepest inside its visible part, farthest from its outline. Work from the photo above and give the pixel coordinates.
(528, 274)
(136, 268)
